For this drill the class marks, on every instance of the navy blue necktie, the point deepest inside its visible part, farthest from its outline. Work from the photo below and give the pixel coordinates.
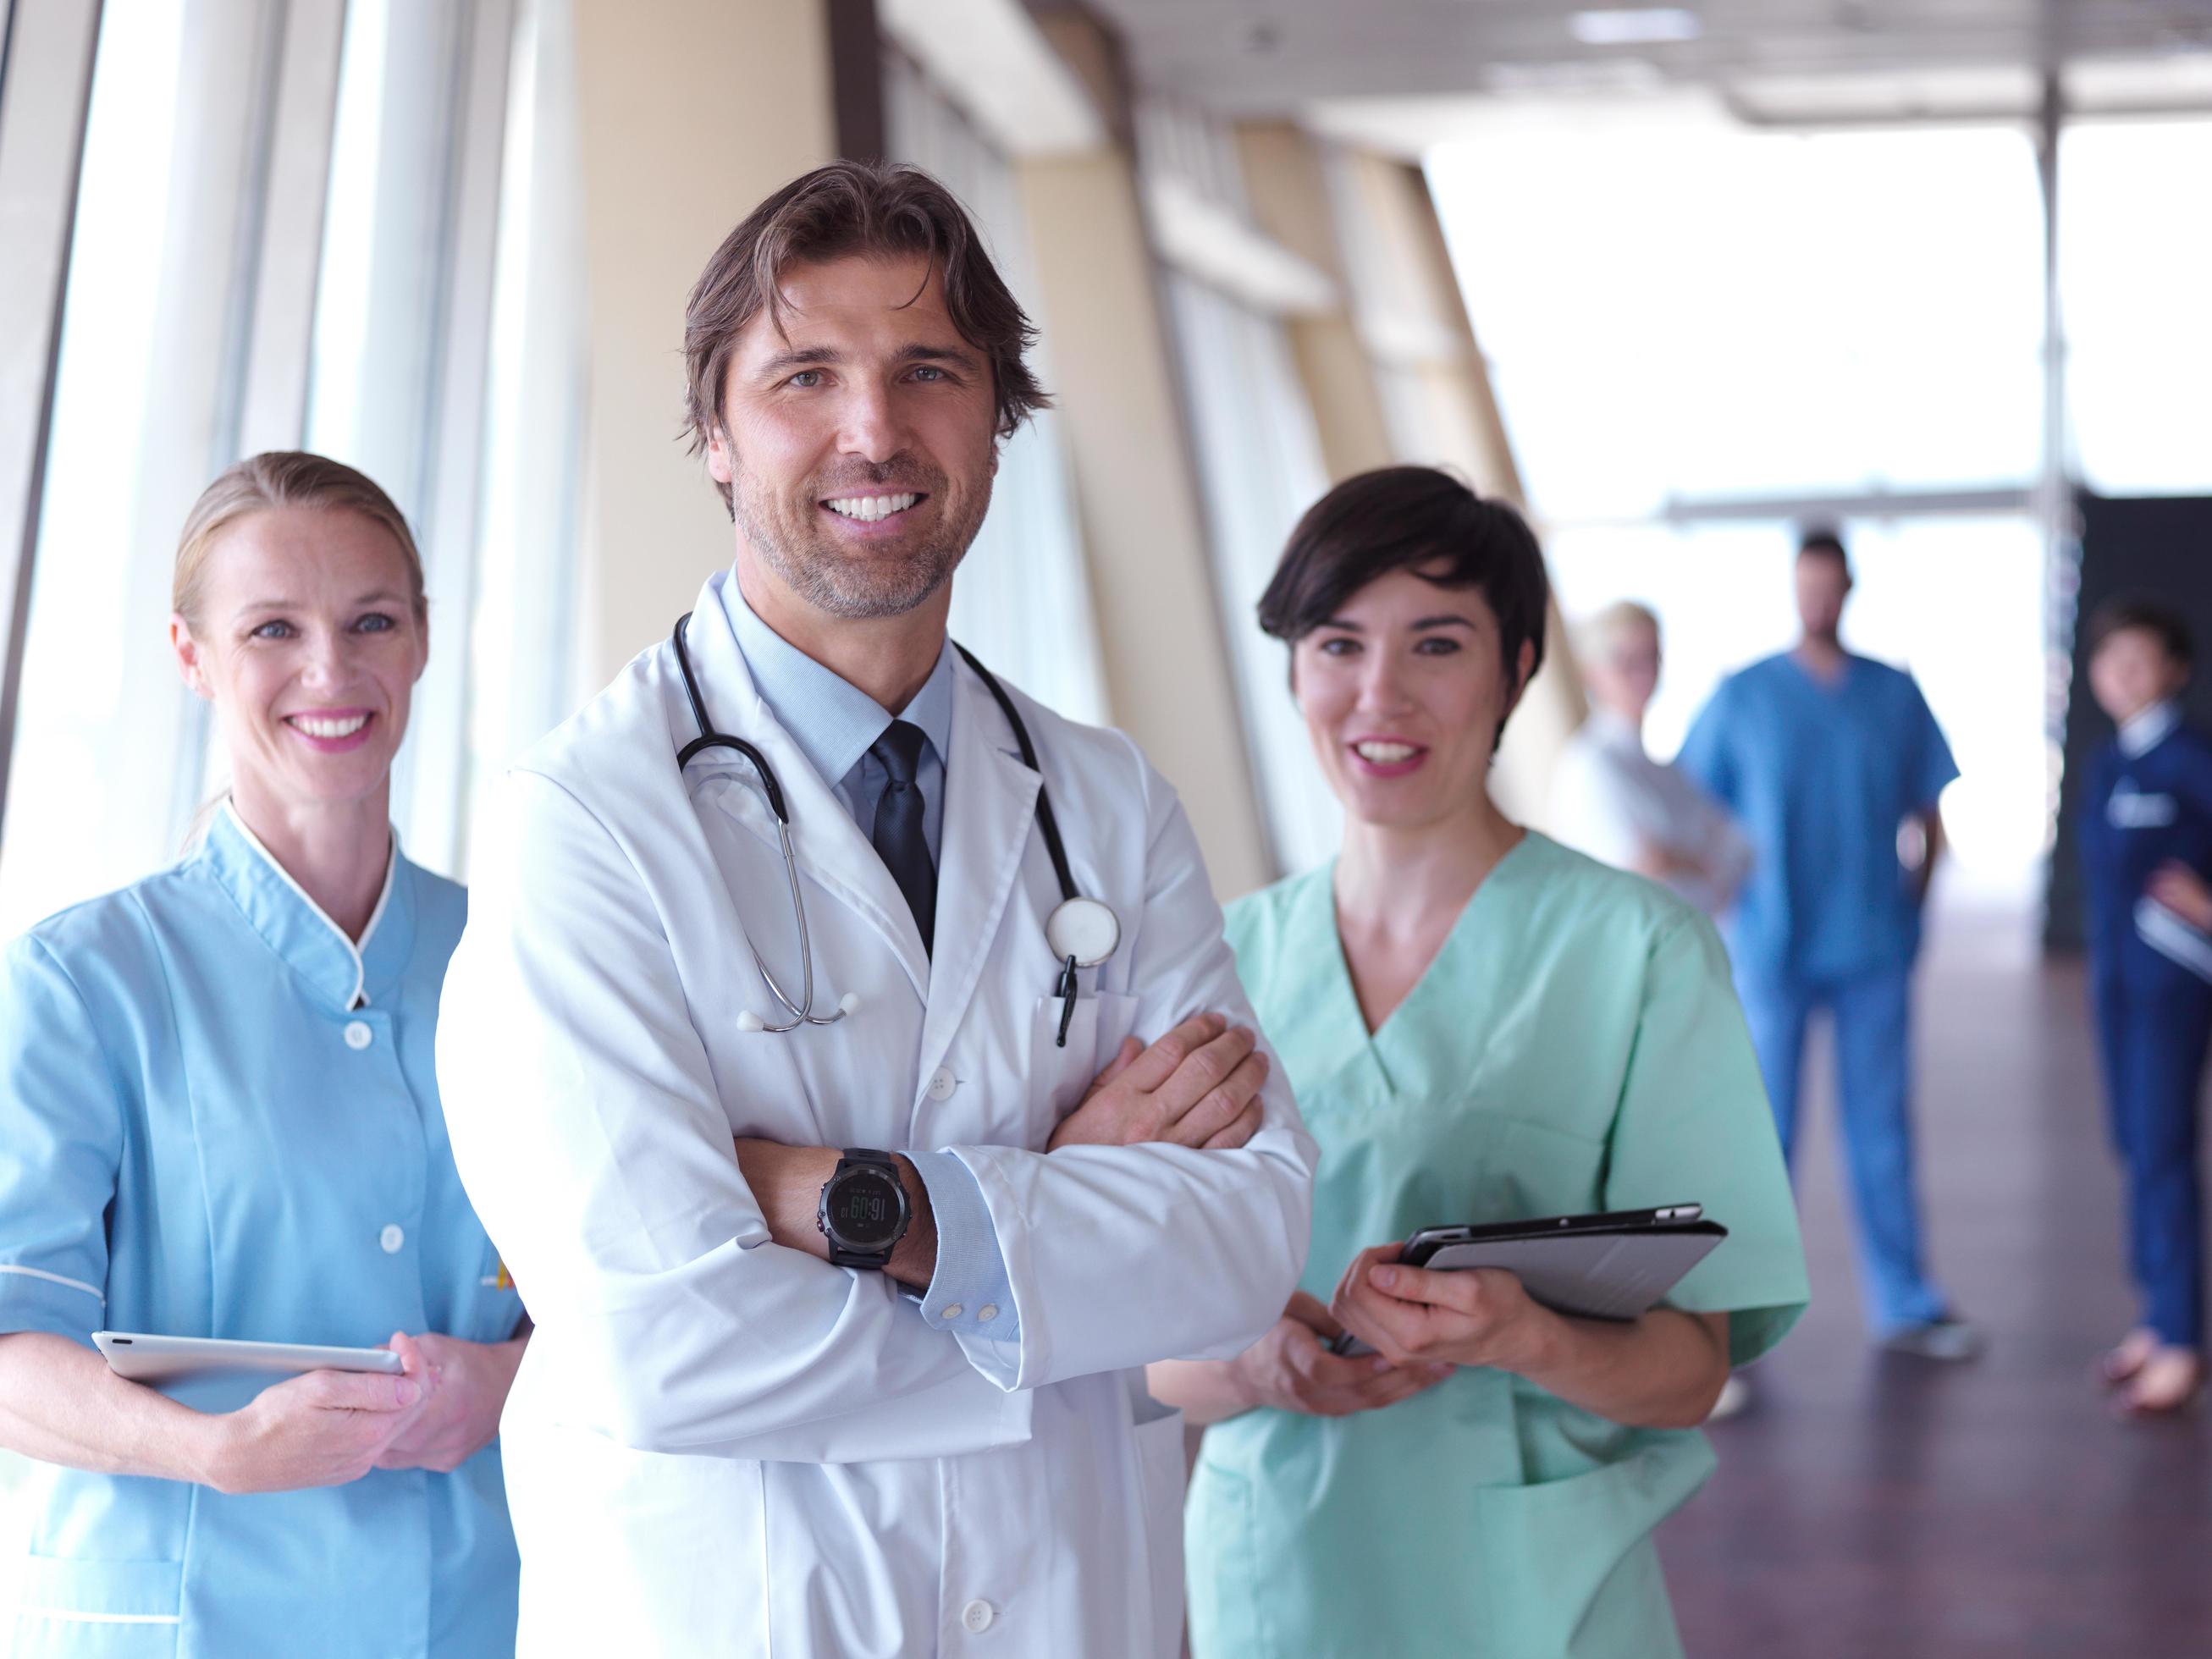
(899, 834)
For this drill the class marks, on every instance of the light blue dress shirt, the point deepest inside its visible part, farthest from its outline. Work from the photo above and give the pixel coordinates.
(835, 724)
(219, 1118)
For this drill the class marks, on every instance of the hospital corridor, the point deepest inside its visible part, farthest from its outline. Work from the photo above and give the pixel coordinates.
(1105, 828)
(1871, 1504)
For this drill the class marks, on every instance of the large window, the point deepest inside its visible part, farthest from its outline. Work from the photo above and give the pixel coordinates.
(2136, 265)
(412, 306)
(1713, 312)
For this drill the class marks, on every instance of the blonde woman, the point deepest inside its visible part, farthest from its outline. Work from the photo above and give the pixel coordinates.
(1613, 801)
(220, 1119)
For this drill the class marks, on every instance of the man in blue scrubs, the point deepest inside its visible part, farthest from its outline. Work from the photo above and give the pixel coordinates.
(1824, 757)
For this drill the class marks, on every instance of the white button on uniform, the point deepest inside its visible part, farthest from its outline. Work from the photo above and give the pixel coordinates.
(977, 1616)
(391, 1238)
(358, 1034)
(986, 1313)
(941, 1084)
(950, 1311)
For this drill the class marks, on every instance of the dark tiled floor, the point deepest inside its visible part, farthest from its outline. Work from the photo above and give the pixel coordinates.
(1871, 1505)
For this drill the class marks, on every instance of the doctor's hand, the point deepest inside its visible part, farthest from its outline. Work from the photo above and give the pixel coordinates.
(1198, 1086)
(1415, 1316)
(323, 1429)
(461, 1416)
(2183, 891)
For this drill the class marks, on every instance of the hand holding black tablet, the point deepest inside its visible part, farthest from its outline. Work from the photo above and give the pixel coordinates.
(1616, 1265)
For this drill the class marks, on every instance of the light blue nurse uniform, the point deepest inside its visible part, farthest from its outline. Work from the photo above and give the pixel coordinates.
(218, 1118)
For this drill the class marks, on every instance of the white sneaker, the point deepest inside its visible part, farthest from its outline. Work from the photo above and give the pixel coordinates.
(1944, 1339)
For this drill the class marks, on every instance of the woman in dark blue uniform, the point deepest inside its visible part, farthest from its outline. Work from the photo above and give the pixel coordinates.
(2146, 835)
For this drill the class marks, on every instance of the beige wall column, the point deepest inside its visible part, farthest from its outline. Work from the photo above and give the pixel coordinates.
(681, 135)
(1166, 661)
(1290, 199)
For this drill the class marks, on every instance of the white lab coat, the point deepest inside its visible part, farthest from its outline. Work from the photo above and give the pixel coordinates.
(720, 1446)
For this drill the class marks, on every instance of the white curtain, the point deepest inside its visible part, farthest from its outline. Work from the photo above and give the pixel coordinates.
(1260, 467)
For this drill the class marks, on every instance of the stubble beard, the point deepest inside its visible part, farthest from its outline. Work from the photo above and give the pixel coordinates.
(800, 551)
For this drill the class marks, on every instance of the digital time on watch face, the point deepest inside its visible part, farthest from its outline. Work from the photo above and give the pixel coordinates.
(863, 1209)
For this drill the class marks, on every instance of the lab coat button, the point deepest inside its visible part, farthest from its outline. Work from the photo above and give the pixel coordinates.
(986, 1313)
(941, 1084)
(950, 1311)
(358, 1034)
(977, 1616)
(391, 1238)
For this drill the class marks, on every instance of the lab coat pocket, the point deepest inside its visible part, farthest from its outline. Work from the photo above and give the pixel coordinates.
(1159, 1449)
(98, 1609)
(1058, 1077)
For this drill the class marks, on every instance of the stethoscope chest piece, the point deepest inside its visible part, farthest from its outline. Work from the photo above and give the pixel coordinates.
(1083, 931)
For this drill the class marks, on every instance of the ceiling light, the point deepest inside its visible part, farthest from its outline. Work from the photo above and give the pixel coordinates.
(1635, 26)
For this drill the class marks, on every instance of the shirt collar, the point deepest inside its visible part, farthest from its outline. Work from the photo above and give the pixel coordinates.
(298, 929)
(2147, 728)
(832, 720)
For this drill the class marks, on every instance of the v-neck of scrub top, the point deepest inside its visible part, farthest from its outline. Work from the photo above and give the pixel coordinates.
(1830, 690)
(1403, 1052)
(340, 973)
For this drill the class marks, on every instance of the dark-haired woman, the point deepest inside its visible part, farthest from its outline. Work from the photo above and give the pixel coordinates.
(1480, 1026)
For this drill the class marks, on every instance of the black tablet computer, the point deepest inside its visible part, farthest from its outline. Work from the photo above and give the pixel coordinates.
(1615, 1264)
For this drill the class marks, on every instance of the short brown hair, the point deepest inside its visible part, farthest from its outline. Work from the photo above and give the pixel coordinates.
(2133, 613)
(282, 477)
(850, 207)
(1404, 517)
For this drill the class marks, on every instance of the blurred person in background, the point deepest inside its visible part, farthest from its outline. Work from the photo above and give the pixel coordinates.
(1613, 801)
(218, 1118)
(2146, 837)
(1828, 759)
(1480, 1026)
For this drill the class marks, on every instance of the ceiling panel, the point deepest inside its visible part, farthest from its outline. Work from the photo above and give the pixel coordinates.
(1278, 56)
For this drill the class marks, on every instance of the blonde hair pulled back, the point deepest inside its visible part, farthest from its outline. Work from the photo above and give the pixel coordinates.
(279, 478)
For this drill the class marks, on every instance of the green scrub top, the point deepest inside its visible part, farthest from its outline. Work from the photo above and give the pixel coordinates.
(1576, 1046)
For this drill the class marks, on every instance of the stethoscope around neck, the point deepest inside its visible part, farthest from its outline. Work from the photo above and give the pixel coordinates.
(1081, 933)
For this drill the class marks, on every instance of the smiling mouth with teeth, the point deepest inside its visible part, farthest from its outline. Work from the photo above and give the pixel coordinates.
(344, 726)
(866, 509)
(1384, 754)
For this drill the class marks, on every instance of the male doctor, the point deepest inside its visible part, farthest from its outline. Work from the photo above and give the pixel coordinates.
(722, 1442)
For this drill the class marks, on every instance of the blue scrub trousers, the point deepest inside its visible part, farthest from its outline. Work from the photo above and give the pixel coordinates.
(2153, 1038)
(1872, 1012)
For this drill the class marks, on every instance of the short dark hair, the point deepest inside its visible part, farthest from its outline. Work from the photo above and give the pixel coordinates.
(849, 208)
(1406, 518)
(2135, 614)
(1820, 542)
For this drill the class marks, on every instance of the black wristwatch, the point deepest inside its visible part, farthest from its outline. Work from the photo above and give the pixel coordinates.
(863, 1211)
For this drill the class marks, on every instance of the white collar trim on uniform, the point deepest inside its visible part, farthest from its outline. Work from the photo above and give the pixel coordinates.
(2147, 728)
(355, 948)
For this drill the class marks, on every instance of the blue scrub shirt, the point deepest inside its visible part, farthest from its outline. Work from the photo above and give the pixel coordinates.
(218, 1118)
(1821, 775)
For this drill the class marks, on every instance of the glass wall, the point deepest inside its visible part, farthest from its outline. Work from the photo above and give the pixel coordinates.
(1711, 316)
(443, 358)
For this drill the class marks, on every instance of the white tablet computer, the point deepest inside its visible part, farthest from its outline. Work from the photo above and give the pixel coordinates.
(143, 1358)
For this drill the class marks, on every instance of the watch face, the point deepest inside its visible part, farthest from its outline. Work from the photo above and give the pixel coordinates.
(863, 1208)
